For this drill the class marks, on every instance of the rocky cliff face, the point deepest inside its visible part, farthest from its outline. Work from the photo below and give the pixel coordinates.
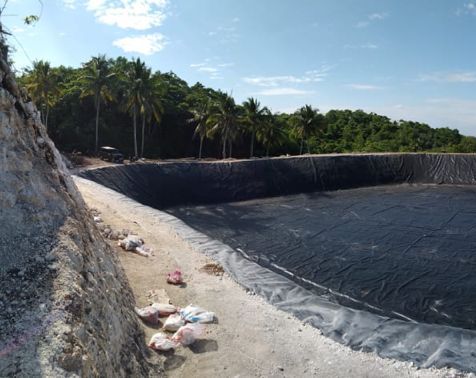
(65, 305)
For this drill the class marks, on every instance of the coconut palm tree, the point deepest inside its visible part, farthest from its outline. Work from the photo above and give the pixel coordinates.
(200, 118)
(307, 122)
(224, 120)
(271, 133)
(134, 80)
(96, 82)
(150, 103)
(42, 85)
(253, 119)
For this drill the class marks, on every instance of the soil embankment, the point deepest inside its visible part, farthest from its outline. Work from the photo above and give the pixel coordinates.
(66, 308)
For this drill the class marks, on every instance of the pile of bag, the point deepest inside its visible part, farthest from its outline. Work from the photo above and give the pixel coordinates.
(187, 323)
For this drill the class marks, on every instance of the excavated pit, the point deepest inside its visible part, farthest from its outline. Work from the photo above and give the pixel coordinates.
(377, 251)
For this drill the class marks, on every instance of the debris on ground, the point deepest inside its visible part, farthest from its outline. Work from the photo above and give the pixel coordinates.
(188, 334)
(160, 342)
(143, 251)
(185, 336)
(195, 314)
(175, 278)
(130, 243)
(97, 219)
(134, 243)
(149, 314)
(152, 313)
(165, 309)
(212, 269)
(158, 296)
(173, 323)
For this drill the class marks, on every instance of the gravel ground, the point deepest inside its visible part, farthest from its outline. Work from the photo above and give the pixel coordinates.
(252, 338)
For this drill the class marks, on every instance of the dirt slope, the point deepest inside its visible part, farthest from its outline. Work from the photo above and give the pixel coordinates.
(65, 305)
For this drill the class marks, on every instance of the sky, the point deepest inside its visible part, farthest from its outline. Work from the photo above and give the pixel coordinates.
(407, 59)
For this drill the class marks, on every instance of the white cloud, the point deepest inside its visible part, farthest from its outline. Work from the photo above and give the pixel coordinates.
(71, 4)
(145, 44)
(313, 76)
(450, 77)
(282, 91)
(362, 24)
(369, 46)
(377, 16)
(129, 14)
(364, 87)
(468, 8)
(207, 69)
(211, 67)
(226, 34)
(373, 17)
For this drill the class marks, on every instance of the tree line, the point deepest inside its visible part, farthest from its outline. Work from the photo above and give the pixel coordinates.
(125, 104)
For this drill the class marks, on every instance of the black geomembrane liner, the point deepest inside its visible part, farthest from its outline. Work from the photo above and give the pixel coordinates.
(406, 251)
(381, 247)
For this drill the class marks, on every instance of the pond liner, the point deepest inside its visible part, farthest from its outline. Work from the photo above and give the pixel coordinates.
(423, 343)
(171, 184)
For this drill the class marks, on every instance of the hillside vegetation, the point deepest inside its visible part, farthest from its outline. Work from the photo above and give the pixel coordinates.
(125, 104)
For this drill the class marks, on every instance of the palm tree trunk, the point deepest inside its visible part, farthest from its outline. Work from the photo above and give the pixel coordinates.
(200, 149)
(308, 148)
(135, 132)
(252, 144)
(267, 150)
(143, 137)
(231, 148)
(46, 117)
(96, 145)
(225, 140)
(302, 145)
(223, 152)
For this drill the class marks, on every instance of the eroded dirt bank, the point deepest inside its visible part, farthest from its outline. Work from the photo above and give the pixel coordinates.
(252, 338)
(65, 305)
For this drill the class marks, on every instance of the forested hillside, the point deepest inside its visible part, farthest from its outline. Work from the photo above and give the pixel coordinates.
(122, 103)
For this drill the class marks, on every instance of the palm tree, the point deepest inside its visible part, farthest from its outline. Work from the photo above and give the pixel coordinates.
(224, 120)
(135, 75)
(42, 85)
(200, 118)
(96, 82)
(271, 133)
(307, 122)
(253, 118)
(150, 103)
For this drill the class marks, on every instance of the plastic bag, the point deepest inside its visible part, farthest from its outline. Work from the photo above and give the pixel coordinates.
(161, 342)
(175, 278)
(195, 314)
(173, 323)
(131, 243)
(143, 251)
(149, 314)
(187, 334)
(165, 309)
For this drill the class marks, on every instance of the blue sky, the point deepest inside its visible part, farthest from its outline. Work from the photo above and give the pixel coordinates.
(408, 59)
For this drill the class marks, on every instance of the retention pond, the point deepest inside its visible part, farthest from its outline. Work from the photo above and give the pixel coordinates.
(378, 251)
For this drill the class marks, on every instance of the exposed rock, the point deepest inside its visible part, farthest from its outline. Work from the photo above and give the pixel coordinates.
(65, 305)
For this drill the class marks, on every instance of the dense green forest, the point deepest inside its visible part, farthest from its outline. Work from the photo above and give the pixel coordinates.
(124, 104)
